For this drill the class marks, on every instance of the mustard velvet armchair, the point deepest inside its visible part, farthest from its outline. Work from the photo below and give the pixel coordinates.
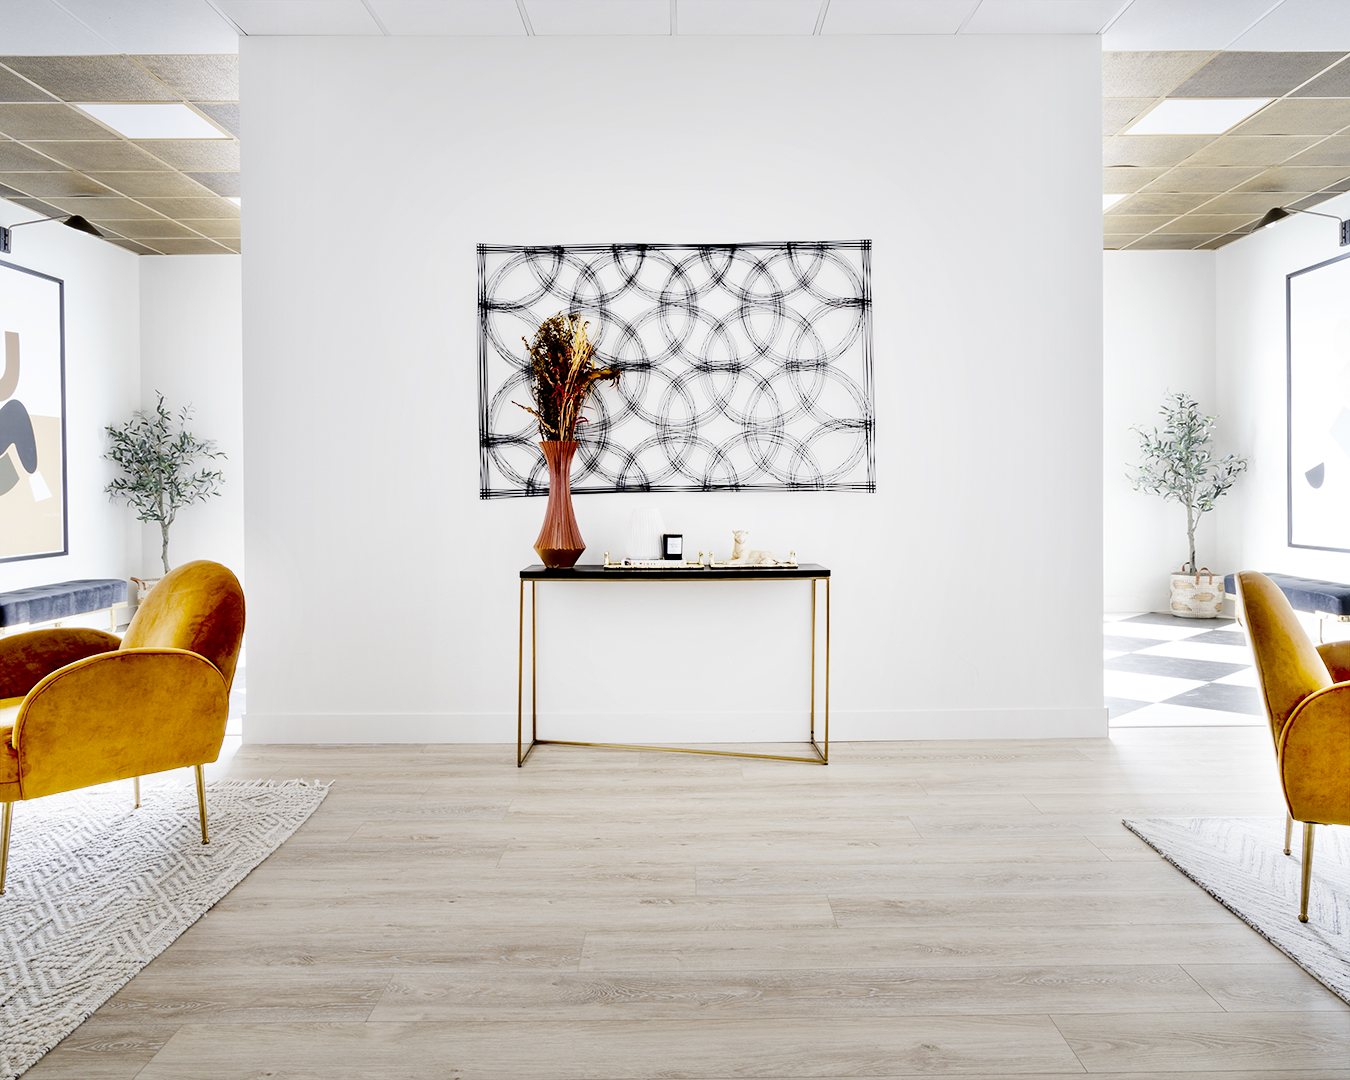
(1306, 692)
(79, 707)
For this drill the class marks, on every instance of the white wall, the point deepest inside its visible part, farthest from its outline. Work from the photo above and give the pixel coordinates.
(1253, 389)
(192, 352)
(1158, 329)
(102, 290)
(360, 381)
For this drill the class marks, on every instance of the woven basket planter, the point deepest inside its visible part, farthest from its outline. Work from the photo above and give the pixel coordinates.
(1195, 595)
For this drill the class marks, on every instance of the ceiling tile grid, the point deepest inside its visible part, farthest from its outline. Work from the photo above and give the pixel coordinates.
(1205, 191)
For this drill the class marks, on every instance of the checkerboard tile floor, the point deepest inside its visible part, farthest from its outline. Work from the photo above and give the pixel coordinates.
(1162, 671)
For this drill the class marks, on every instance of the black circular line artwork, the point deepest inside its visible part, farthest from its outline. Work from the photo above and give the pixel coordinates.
(745, 366)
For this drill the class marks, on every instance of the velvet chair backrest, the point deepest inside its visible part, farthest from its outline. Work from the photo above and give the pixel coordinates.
(1288, 666)
(198, 606)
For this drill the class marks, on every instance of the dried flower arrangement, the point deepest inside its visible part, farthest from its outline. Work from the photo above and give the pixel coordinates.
(563, 375)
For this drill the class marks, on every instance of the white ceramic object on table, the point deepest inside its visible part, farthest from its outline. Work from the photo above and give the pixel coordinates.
(645, 529)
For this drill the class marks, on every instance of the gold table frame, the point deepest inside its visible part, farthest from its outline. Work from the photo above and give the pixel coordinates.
(535, 574)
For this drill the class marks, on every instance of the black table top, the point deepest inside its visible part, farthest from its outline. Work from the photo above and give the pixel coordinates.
(597, 572)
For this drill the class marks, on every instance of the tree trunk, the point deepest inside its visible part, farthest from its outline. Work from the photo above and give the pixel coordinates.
(164, 548)
(1191, 522)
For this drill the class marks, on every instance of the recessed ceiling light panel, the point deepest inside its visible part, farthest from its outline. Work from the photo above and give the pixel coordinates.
(1109, 201)
(1196, 116)
(140, 121)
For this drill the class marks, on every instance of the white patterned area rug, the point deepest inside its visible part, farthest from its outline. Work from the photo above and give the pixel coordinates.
(96, 890)
(1241, 863)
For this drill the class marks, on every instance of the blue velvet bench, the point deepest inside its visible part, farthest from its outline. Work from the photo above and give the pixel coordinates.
(52, 603)
(1325, 599)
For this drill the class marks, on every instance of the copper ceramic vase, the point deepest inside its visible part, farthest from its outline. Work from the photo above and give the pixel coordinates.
(560, 544)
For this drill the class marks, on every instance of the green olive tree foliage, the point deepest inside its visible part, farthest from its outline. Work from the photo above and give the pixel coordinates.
(155, 454)
(1178, 462)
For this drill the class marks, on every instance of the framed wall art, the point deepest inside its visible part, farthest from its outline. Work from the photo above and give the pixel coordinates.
(32, 415)
(1317, 326)
(744, 366)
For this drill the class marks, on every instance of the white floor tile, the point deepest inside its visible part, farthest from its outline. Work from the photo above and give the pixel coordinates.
(1111, 654)
(1166, 715)
(1201, 650)
(1245, 677)
(1116, 616)
(1138, 687)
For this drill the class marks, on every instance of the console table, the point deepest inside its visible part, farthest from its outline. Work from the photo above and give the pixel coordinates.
(596, 574)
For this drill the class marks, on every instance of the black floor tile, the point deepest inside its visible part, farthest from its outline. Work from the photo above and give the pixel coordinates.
(1161, 618)
(1118, 706)
(1236, 699)
(1173, 666)
(1128, 644)
(1221, 637)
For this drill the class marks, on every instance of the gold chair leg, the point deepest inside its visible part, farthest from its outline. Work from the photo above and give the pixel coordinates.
(1288, 831)
(201, 801)
(5, 822)
(136, 781)
(1307, 870)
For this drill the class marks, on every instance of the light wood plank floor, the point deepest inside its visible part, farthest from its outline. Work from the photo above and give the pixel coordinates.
(969, 908)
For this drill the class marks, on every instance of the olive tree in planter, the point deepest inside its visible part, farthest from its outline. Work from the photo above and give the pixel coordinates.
(1178, 464)
(155, 455)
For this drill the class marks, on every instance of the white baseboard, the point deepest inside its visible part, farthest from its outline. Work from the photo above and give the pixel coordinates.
(661, 728)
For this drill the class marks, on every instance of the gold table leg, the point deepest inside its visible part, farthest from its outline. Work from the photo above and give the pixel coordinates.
(822, 753)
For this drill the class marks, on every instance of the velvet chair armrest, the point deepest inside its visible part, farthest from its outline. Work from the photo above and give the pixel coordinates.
(127, 713)
(1336, 656)
(1315, 757)
(27, 659)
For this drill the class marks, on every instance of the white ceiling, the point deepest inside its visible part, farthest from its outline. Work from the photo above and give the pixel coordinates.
(77, 27)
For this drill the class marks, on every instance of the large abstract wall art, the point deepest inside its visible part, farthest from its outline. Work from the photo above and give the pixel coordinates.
(1317, 307)
(32, 415)
(745, 366)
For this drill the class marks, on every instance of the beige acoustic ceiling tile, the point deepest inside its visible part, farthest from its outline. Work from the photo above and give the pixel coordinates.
(211, 207)
(226, 183)
(1332, 83)
(1126, 178)
(1211, 180)
(1208, 223)
(1151, 149)
(1116, 243)
(1171, 205)
(1333, 151)
(1288, 178)
(1254, 74)
(38, 206)
(195, 155)
(150, 228)
(1301, 116)
(15, 157)
(217, 228)
(49, 122)
(103, 156)
(161, 185)
(1147, 74)
(225, 114)
(1253, 203)
(1137, 224)
(52, 185)
(13, 88)
(1308, 202)
(192, 247)
(1117, 113)
(90, 78)
(233, 247)
(1250, 150)
(131, 245)
(1170, 241)
(1220, 241)
(197, 77)
(110, 208)
(10, 193)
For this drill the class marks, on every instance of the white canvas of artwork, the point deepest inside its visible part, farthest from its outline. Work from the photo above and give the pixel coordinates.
(1319, 406)
(743, 366)
(32, 415)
